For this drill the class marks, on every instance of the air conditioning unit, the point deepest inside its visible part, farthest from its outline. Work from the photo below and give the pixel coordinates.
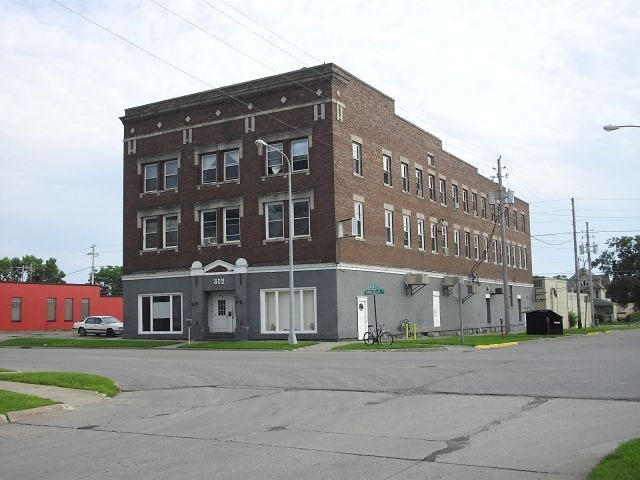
(420, 193)
(449, 282)
(456, 205)
(210, 241)
(498, 291)
(471, 289)
(416, 279)
(445, 250)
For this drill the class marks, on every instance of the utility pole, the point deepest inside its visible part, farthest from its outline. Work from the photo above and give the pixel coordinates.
(575, 257)
(590, 278)
(503, 232)
(93, 263)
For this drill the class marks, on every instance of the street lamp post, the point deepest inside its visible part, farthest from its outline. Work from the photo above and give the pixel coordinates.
(611, 128)
(292, 332)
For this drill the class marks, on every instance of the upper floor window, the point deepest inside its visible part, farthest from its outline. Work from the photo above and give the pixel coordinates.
(421, 235)
(515, 221)
(445, 239)
(274, 219)
(151, 177)
(406, 228)
(300, 154)
(455, 196)
(170, 231)
(474, 204)
(467, 245)
(476, 246)
(523, 225)
(274, 159)
(209, 168)
(494, 244)
(209, 227)
(388, 226)
(404, 172)
(432, 187)
(483, 207)
(506, 217)
(430, 160)
(465, 200)
(485, 249)
(301, 218)
(358, 217)
(434, 237)
(456, 242)
(170, 174)
(150, 233)
(386, 169)
(443, 192)
(160, 231)
(161, 176)
(232, 165)
(357, 158)
(231, 224)
(419, 183)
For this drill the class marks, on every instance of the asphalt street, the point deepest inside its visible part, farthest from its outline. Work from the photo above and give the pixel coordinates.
(547, 409)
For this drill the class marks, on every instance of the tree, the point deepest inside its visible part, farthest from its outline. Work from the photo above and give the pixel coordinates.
(622, 264)
(30, 269)
(110, 279)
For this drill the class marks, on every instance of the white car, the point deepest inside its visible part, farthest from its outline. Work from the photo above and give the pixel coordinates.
(106, 324)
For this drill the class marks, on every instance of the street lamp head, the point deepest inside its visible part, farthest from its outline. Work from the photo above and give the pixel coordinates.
(610, 128)
(261, 143)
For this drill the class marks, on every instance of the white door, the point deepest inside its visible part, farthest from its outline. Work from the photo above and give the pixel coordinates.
(221, 313)
(363, 316)
(436, 309)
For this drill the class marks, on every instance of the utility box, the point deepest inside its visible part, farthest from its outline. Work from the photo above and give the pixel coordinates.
(544, 322)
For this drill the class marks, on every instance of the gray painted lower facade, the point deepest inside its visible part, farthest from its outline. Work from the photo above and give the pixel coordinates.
(237, 301)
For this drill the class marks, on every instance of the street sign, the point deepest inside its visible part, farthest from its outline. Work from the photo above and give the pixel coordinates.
(374, 291)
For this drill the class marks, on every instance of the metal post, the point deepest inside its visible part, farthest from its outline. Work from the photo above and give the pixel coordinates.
(503, 232)
(460, 282)
(590, 279)
(577, 266)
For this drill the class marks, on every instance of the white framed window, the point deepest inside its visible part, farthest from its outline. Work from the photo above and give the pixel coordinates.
(443, 192)
(467, 245)
(404, 172)
(231, 224)
(474, 204)
(430, 160)
(300, 154)
(274, 159)
(524, 258)
(421, 241)
(356, 150)
(274, 220)
(456, 241)
(445, 239)
(523, 225)
(274, 310)
(432, 187)
(419, 183)
(150, 233)
(455, 196)
(485, 249)
(513, 255)
(151, 177)
(508, 255)
(518, 257)
(476, 247)
(494, 244)
(171, 175)
(434, 237)
(209, 227)
(483, 207)
(232, 165)
(515, 220)
(358, 215)
(209, 168)
(160, 313)
(500, 256)
(301, 218)
(386, 170)
(406, 228)
(388, 226)
(465, 200)
(170, 229)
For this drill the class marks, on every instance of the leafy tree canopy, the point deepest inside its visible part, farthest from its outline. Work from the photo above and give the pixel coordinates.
(621, 261)
(110, 279)
(30, 269)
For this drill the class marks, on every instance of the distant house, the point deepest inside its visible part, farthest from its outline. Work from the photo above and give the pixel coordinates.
(604, 309)
(554, 294)
(40, 306)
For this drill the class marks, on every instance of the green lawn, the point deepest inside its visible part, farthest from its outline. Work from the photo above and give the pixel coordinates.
(621, 464)
(601, 328)
(248, 345)
(12, 402)
(80, 381)
(85, 343)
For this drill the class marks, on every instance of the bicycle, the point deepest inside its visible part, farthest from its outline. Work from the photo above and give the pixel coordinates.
(382, 337)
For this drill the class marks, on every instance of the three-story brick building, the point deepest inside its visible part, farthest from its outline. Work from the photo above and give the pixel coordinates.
(376, 201)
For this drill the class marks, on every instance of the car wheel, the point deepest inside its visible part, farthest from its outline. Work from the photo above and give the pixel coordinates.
(82, 332)
(111, 333)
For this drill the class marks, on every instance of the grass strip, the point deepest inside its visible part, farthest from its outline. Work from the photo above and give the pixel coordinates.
(27, 342)
(248, 345)
(77, 380)
(469, 340)
(621, 464)
(12, 402)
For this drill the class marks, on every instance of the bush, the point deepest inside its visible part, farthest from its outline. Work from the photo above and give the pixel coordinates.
(573, 319)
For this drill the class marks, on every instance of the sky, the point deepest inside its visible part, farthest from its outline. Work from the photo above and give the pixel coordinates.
(533, 82)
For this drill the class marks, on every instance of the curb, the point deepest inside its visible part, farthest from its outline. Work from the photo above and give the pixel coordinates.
(495, 345)
(20, 415)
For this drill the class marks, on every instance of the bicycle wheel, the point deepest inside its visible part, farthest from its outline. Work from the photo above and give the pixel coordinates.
(386, 339)
(368, 338)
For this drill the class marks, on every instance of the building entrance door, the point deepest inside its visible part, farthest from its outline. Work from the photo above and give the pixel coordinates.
(363, 316)
(221, 312)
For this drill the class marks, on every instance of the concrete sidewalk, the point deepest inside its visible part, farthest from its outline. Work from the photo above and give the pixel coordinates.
(69, 398)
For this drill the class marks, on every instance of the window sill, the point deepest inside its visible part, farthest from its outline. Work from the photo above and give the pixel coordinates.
(157, 192)
(217, 184)
(158, 250)
(359, 175)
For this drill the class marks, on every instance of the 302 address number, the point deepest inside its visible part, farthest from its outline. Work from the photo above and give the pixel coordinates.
(218, 281)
